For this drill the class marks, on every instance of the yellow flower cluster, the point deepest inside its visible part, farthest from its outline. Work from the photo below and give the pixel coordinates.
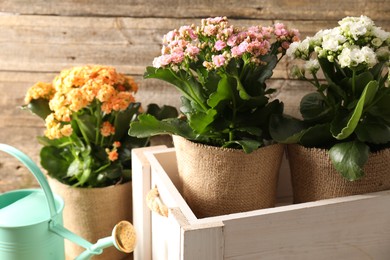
(75, 89)
(40, 90)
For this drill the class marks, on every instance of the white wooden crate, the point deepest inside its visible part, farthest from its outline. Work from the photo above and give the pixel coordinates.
(355, 227)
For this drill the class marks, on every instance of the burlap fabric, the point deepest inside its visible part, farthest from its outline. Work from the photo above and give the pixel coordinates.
(314, 177)
(219, 181)
(92, 214)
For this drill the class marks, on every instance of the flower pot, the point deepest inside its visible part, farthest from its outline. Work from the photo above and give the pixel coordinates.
(314, 177)
(218, 181)
(92, 213)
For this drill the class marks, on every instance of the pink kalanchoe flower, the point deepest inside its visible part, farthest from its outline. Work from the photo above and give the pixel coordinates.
(285, 45)
(192, 51)
(219, 45)
(187, 31)
(162, 60)
(215, 20)
(232, 40)
(219, 60)
(177, 57)
(170, 36)
(267, 32)
(210, 30)
(280, 30)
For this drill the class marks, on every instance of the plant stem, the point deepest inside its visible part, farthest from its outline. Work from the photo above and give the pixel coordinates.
(98, 123)
(317, 82)
(353, 81)
(81, 129)
(190, 95)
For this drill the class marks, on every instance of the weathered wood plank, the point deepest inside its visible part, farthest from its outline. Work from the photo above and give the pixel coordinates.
(51, 43)
(252, 9)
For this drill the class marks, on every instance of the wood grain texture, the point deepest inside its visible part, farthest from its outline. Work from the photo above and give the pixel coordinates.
(332, 229)
(253, 9)
(354, 227)
(40, 38)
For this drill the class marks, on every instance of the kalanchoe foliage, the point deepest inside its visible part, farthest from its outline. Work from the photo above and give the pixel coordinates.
(87, 111)
(349, 112)
(220, 71)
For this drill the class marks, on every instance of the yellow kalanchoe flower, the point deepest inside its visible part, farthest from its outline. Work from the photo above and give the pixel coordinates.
(39, 90)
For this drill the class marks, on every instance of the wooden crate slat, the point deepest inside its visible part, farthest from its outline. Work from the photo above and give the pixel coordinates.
(338, 229)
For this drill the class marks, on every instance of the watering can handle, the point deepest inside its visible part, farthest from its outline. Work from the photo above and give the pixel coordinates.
(34, 169)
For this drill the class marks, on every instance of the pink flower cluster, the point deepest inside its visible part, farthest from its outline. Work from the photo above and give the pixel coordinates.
(216, 42)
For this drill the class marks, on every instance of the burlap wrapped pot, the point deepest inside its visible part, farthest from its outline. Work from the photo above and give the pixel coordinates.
(92, 213)
(219, 181)
(314, 177)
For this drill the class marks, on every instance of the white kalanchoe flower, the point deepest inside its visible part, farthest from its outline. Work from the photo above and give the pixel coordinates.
(369, 56)
(345, 58)
(378, 32)
(312, 66)
(383, 53)
(299, 49)
(356, 26)
(332, 40)
(377, 42)
(292, 50)
(357, 57)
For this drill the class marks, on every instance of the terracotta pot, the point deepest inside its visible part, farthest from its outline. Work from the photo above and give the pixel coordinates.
(314, 177)
(218, 181)
(92, 213)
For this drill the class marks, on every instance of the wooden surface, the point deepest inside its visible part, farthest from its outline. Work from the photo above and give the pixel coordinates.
(40, 38)
(350, 228)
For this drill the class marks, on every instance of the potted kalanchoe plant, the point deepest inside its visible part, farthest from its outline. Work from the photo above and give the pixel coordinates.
(86, 149)
(87, 112)
(348, 114)
(221, 72)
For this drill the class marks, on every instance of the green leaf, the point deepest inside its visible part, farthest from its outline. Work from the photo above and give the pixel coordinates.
(373, 131)
(241, 90)
(313, 107)
(349, 158)
(223, 92)
(75, 168)
(40, 107)
(123, 119)
(56, 161)
(317, 136)
(247, 145)
(162, 112)
(148, 125)
(188, 86)
(285, 129)
(256, 131)
(341, 131)
(328, 69)
(361, 81)
(87, 124)
(267, 71)
(200, 121)
(381, 108)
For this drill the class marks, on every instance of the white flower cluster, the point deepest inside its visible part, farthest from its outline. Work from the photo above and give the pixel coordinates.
(355, 42)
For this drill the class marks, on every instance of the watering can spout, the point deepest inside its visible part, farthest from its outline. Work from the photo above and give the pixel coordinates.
(123, 238)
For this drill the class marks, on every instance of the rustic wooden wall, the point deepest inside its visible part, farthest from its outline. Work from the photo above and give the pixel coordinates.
(39, 38)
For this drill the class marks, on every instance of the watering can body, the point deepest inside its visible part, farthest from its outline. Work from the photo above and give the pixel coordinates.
(31, 225)
(24, 226)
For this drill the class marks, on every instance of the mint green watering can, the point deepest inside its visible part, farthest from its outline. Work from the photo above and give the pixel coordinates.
(31, 224)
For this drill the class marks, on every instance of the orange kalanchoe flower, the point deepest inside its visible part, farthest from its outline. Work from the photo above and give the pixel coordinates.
(80, 87)
(40, 90)
(107, 129)
(87, 112)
